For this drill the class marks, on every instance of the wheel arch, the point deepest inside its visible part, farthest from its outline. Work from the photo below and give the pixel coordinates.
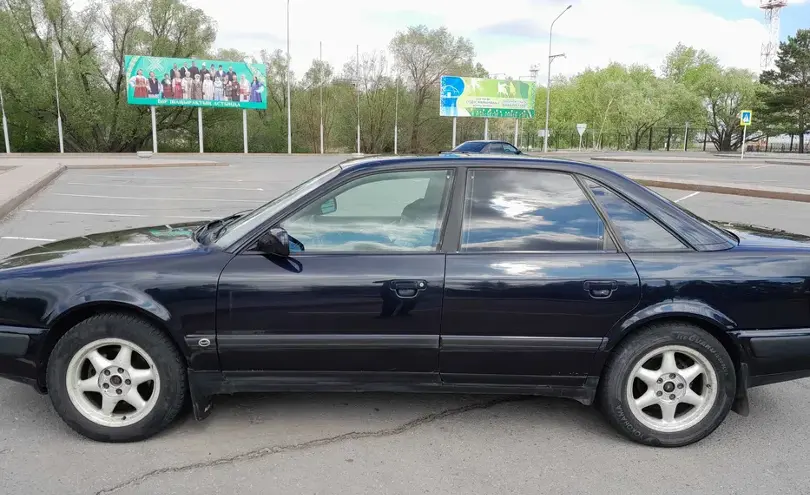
(695, 313)
(77, 314)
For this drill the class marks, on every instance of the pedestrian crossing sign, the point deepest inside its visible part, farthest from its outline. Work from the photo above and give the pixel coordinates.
(745, 117)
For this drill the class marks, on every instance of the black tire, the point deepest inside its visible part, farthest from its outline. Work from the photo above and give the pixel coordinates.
(168, 361)
(613, 399)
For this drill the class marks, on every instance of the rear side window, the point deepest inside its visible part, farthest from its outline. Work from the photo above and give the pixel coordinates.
(529, 210)
(638, 231)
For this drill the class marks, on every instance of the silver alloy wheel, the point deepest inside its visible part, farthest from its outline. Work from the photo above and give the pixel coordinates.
(107, 388)
(676, 393)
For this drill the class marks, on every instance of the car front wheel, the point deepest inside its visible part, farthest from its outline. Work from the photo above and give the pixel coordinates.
(670, 384)
(116, 378)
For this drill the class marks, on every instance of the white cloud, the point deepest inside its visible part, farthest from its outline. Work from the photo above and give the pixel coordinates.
(591, 33)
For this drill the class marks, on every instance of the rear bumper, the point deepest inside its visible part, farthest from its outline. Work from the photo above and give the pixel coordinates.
(775, 355)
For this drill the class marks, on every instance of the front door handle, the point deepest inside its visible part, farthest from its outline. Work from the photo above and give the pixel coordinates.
(408, 289)
(600, 289)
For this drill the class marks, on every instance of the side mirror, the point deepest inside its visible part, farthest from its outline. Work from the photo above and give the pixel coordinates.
(329, 206)
(518, 152)
(276, 242)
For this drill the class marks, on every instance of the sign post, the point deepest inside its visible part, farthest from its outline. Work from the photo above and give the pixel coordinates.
(154, 131)
(581, 130)
(454, 132)
(745, 121)
(486, 129)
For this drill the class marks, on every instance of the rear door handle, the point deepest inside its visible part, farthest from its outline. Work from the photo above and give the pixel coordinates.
(408, 289)
(600, 289)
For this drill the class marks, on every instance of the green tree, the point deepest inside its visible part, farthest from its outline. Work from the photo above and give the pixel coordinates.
(423, 56)
(786, 95)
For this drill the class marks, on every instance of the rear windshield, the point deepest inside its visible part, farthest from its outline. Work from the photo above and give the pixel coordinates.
(473, 146)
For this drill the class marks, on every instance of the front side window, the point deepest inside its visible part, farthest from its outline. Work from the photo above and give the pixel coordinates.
(391, 211)
(638, 231)
(508, 148)
(495, 148)
(529, 210)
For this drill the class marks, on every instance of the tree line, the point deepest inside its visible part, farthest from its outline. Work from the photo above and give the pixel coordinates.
(86, 48)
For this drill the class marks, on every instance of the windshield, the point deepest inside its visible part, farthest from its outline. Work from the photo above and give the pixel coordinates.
(236, 230)
(472, 146)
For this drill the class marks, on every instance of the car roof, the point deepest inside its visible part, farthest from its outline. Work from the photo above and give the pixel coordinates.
(468, 160)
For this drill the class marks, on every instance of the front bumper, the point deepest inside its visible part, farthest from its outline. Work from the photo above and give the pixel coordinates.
(19, 355)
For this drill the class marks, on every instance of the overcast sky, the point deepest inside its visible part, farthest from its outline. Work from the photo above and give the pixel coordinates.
(509, 36)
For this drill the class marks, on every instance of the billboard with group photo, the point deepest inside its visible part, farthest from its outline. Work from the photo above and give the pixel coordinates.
(162, 81)
(494, 98)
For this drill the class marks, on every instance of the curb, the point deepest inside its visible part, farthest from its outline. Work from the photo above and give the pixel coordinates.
(22, 196)
(144, 165)
(786, 194)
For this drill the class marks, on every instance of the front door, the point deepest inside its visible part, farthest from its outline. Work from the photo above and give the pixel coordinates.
(361, 303)
(535, 285)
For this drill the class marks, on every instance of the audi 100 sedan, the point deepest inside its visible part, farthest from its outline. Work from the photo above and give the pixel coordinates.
(463, 274)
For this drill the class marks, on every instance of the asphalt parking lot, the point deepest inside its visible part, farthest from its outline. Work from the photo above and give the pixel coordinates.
(379, 443)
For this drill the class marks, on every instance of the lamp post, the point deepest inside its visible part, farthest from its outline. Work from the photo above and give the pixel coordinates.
(548, 85)
(289, 114)
(320, 83)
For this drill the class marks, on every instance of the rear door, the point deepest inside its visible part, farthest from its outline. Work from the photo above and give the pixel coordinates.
(535, 284)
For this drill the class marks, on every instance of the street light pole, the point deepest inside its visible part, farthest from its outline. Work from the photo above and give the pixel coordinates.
(289, 113)
(358, 99)
(548, 85)
(396, 117)
(320, 80)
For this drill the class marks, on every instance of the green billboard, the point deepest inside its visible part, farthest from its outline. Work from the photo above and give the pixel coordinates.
(494, 98)
(173, 82)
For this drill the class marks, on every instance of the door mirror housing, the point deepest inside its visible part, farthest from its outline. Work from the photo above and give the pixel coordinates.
(275, 242)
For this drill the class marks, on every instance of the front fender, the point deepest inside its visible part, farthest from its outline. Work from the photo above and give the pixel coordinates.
(674, 308)
(112, 294)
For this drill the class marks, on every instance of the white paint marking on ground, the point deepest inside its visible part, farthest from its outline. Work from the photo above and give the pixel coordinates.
(761, 166)
(170, 187)
(127, 215)
(12, 238)
(159, 199)
(147, 177)
(687, 196)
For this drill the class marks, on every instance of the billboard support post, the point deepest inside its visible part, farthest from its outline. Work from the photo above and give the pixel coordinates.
(154, 130)
(244, 130)
(5, 122)
(517, 123)
(486, 128)
(199, 127)
(454, 132)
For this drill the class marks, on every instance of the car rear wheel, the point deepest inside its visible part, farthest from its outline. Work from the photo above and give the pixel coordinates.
(670, 384)
(116, 378)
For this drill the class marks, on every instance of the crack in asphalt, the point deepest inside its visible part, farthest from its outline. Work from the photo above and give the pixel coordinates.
(310, 444)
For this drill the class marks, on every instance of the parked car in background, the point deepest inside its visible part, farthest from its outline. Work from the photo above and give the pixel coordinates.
(491, 147)
(471, 274)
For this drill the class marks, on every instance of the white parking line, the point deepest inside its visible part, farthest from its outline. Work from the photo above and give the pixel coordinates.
(127, 215)
(160, 199)
(687, 196)
(12, 238)
(169, 187)
(761, 166)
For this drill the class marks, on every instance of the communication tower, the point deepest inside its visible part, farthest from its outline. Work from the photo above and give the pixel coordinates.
(770, 47)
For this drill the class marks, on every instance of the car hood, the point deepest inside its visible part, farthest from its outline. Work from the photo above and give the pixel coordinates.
(758, 236)
(121, 244)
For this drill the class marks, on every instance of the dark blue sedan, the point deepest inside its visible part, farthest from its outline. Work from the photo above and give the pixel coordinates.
(465, 274)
